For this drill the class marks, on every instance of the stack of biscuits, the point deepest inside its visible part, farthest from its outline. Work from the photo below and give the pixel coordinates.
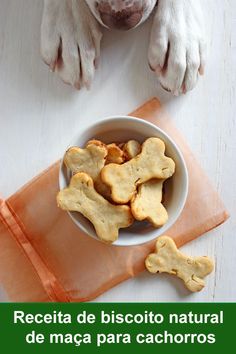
(113, 184)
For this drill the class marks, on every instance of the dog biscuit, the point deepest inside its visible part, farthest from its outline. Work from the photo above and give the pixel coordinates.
(168, 259)
(131, 149)
(101, 187)
(89, 160)
(146, 204)
(150, 163)
(82, 197)
(115, 154)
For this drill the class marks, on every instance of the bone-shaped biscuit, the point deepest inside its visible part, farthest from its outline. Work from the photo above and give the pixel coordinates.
(168, 259)
(131, 149)
(146, 204)
(150, 163)
(107, 218)
(115, 154)
(89, 160)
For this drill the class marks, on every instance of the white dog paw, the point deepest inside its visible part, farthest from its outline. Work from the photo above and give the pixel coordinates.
(177, 45)
(70, 41)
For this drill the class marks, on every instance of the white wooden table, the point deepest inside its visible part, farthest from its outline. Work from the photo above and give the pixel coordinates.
(39, 115)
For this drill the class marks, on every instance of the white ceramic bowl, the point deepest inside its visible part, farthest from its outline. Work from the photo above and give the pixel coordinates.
(122, 129)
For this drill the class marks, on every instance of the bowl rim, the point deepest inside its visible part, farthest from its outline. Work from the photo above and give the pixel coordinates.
(184, 194)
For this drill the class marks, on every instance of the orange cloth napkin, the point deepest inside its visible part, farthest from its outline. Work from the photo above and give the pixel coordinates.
(45, 257)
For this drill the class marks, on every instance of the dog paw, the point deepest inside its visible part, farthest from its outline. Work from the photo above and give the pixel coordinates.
(70, 41)
(177, 45)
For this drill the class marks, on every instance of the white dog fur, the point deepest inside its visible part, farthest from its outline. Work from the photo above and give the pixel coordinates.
(71, 35)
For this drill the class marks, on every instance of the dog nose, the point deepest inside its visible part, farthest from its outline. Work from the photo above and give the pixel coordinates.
(124, 19)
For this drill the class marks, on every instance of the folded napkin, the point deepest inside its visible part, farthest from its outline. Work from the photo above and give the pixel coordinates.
(45, 257)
